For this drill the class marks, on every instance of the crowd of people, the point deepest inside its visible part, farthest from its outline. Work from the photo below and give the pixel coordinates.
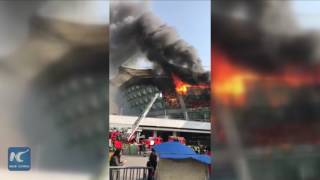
(117, 140)
(115, 160)
(117, 146)
(201, 149)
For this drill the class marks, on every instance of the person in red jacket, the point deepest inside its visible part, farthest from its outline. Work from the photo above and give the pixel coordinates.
(157, 140)
(117, 144)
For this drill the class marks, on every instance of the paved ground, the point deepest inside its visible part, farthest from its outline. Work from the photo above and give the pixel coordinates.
(134, 160)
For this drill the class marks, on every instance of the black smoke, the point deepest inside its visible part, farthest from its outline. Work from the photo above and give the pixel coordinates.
(262, 35)
(135, 29)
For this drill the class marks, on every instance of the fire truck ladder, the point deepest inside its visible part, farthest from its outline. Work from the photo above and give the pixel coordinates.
(136, 124)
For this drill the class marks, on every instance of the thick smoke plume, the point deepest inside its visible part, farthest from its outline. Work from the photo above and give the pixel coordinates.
(135, 29)
(262, 35)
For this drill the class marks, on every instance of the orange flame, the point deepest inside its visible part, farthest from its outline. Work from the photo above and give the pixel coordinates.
(182, 87)
(230, 81)
(296, 78)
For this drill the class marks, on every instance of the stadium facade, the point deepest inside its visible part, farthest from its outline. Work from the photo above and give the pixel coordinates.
(183, 110)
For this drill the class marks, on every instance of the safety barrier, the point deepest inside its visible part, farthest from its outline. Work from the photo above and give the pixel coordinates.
(130, 173)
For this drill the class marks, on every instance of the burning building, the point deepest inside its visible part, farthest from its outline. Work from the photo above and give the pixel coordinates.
(181, 101)
(274, 118)
(266, 89)
(176, 71)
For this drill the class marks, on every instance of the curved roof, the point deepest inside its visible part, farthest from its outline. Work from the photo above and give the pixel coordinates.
(125, 74)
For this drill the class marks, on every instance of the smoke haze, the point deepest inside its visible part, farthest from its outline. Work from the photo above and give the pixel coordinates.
(262, 35)
(134, 28)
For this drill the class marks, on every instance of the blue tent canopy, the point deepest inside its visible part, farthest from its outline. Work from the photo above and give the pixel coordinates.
(175, 150)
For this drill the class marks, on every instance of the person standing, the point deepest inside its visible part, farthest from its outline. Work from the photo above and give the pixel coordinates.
(143, 146)
(140, 148)
(115, 161)
(152, 164)
(117, 143)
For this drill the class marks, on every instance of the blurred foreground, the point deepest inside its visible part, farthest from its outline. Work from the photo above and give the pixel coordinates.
(266, 82)
(53, 65)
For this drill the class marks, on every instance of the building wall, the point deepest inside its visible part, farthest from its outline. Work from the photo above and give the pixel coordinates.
(135, 98)
(183, 169)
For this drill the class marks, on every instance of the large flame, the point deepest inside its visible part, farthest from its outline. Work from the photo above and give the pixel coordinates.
(182, 87)
(230, 81)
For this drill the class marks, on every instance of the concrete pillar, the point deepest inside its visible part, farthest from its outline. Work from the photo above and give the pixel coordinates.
(155, 134)
(234, 143)
(183, 107)
(138, 137)
(174, 133)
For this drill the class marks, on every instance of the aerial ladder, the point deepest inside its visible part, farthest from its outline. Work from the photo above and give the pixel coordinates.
(131, 132)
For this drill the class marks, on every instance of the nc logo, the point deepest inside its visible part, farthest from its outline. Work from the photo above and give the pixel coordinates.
(19, 158)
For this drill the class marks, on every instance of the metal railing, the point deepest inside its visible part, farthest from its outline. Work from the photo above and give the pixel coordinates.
(130, 173)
